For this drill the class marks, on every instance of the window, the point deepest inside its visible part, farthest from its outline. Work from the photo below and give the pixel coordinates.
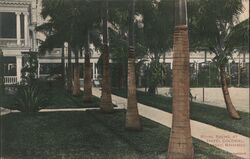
(7, 25)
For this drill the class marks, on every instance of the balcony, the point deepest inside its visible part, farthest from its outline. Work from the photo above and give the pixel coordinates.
(10, 80)
(10, 43)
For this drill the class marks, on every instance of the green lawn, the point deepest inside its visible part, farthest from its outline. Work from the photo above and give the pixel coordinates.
(58, 98)
(200, 112)
(87, 135)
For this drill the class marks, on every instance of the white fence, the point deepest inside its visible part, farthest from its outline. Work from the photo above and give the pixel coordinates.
(8, 80)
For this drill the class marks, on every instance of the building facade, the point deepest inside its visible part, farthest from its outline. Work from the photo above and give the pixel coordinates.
(18, 19)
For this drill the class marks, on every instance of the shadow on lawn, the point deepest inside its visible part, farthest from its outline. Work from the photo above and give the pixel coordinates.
(91, 134)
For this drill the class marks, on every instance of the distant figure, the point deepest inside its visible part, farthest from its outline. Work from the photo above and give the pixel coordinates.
(191, 96)
(170, 92)
(97, 83)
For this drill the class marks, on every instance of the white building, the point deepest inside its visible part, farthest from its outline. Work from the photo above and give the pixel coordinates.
(18, 19)
(17, 32)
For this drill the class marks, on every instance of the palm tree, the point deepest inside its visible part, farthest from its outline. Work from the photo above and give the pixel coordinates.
(230, 107)
(58, 29)
(87, 74)
(132, 114)
(157, 36)
(106, 100)
(180, 144)
(216, 33)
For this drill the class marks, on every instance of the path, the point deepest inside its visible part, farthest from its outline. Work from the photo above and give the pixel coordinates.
(4, 111)
(7, 111)
(214, 96)
(225, 140)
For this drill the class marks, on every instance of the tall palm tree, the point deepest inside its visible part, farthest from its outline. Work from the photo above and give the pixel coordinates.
(224, 86)
(71, 20)
(106, 100)
(217, 33)
(132, 114)
(180, 144)
(239, 37)
(87, 74)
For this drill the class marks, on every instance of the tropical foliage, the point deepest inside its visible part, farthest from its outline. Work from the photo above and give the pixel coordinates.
(30, 99)
(155, 73)
(219, 34)
(30, 68)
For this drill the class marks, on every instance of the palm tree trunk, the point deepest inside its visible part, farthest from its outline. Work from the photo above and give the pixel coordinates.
(2, 89)
(106, 100)
(132, 114)
(87, 76)
(76, 87)
(63, 65)
(69, 71)
(180, 143)
(230, 107)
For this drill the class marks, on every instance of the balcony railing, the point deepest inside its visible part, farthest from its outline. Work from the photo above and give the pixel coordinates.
(9, 80)
(10, 42)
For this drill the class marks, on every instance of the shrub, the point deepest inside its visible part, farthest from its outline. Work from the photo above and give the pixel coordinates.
(30, 68)
(30, 99)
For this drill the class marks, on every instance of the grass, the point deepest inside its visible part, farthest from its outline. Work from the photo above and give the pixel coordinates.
(200, 112)
(88, 135)
(7, 101)
(58, 98)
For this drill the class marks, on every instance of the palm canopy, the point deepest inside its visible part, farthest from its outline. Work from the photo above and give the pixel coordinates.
(213, 25)
(69, 20)
(239, 36)
(158, 25)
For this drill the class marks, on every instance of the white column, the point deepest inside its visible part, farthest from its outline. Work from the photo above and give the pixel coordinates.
(93, 71)
(34, 40)
(38, 69)
(66, 54)
(18, 67)
(26, 28)
(18, 28)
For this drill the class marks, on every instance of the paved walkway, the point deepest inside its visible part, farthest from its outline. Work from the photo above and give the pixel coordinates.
(228, 141)
(7, 111)
(4, 111)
